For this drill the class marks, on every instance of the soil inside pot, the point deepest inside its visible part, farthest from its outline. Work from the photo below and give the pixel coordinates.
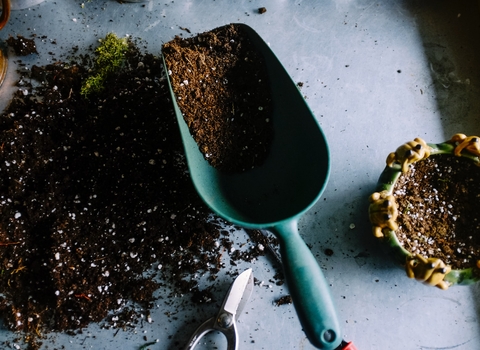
(438, 203)
(222, 88)
(96, 201)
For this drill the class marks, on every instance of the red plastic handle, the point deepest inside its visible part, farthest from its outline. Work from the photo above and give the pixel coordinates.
(349, 346)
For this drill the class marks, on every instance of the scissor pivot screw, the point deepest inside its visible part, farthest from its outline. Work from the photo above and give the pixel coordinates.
(225, 320)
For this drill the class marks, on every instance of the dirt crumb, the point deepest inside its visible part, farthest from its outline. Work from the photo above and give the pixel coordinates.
(22, 46)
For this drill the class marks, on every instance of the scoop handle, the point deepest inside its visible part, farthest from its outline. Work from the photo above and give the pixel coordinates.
(308, 288)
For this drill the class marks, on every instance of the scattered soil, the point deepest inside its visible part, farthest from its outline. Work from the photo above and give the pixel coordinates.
(222, 89)
(328, 252)
(438, 203)
(22, 46)
(262, 10)
(285, 300)
(94, 193)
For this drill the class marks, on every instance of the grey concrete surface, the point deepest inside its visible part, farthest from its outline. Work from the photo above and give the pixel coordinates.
(376, 74)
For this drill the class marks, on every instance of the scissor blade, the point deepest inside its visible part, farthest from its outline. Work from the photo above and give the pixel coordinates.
(239, 292)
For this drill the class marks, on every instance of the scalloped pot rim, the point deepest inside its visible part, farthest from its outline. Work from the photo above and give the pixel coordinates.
(386, 182)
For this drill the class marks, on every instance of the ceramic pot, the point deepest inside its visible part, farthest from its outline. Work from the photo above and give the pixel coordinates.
(4, 17)
(383, 210)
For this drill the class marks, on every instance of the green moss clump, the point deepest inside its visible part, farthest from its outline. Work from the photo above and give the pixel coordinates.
(110, 57)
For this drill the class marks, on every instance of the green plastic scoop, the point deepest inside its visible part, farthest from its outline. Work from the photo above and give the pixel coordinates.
(276, 194)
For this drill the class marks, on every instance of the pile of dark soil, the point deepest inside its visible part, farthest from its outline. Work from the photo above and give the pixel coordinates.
(221, 85)
(438, 203)
(95, 193)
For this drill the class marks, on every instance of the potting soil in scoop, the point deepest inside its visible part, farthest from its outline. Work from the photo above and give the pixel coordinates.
(222, 89)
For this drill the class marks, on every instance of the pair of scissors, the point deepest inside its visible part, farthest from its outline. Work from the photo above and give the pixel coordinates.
(232, 306)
